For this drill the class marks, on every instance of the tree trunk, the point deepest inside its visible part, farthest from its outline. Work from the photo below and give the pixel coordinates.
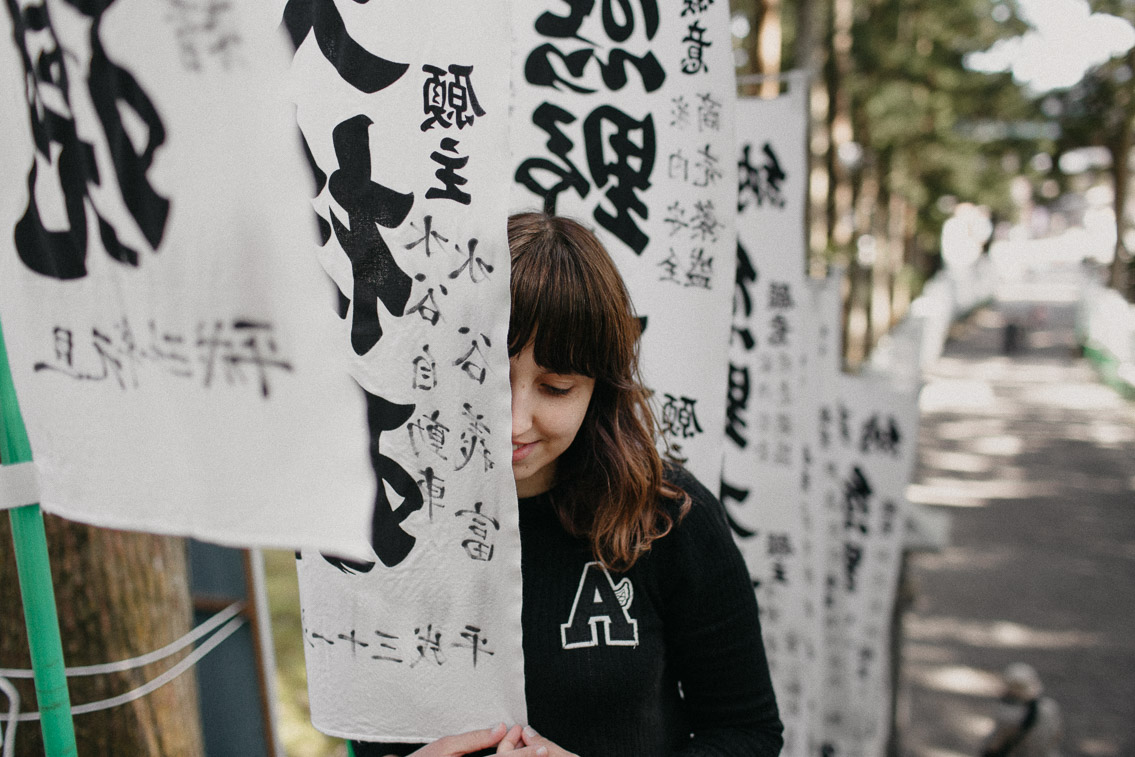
(767, 44)
(119, 595)
(1120, 275)
(840, 125)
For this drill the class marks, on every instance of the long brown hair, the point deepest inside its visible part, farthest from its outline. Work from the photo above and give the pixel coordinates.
(570, 303)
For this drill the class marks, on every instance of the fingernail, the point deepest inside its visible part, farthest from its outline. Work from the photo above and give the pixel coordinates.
(530, 732)
(499, 727)
(542, 751)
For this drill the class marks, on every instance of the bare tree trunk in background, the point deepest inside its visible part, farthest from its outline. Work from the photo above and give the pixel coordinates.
(808, 56)
(768, 44)
(841, 125)
(901, 295)
(119, 595)
(1120, 277)
(804, 55)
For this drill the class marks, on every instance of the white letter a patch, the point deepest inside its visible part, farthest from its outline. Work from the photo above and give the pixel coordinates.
(600, 600)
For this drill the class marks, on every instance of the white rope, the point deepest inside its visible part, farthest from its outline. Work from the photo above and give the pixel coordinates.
(151, 686)
(9, 735)
(136, 662)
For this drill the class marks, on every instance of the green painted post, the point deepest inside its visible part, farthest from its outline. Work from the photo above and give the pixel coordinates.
(35, 584)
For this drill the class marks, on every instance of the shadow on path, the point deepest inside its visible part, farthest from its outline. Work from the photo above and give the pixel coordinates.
(1035, 461)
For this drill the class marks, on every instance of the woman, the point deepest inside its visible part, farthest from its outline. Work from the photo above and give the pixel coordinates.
(641, 633)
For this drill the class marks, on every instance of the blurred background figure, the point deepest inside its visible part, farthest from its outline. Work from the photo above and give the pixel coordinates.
(1028, 724)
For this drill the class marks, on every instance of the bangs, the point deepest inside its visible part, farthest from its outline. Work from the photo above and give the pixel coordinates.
(569, 302)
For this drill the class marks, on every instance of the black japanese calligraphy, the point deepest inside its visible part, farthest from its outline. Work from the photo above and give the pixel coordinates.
(880, 435)
(479, 544)
(237, 351)
(449, 103)
(679, 417)
(856, 501)
(540, 71)
(760, 183)
(389, 540)
(369, 205)
(205, 29)
(357, 66)
(548, 117)
(696, 44)
(746, 276)
(736, 404)
(551, 25)
(447, 174)
(628, 165)
(44, 245)
(733, 494)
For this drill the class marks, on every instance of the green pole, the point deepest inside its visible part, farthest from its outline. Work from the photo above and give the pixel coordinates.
(35, 584)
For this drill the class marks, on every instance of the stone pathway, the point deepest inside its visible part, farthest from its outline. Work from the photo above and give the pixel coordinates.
(1035, 462)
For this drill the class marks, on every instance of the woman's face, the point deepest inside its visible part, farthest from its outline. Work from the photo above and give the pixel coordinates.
(547, 411)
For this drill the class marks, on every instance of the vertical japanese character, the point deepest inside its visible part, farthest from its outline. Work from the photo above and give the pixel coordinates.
(61, 252)
(736, 404)
(473, 263)
(629, 168)
(475, 641)
(357, 66)
(368, 204)
(447, 174)
(762, 182)
(696, 44)
(547, 116)
(449, 103)
(730, 494)
(389, 540)
(428, 233)
(479, 546)
(679, 417)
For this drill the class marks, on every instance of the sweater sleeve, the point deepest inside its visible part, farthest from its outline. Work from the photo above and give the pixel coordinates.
(714, 637)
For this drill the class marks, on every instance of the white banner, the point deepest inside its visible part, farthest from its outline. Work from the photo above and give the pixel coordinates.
(403, 108)
(169, 331)
(623, 118)
(867, 438)
(766, 475)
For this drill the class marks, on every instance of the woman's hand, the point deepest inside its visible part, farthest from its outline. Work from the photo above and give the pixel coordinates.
(534, 740)
(461, 744)
(511, 742)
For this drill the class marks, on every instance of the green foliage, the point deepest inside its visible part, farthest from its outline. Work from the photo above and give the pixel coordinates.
(919, 114)
(913, 99)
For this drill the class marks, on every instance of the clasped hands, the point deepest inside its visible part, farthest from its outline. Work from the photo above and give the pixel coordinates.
(518, 741)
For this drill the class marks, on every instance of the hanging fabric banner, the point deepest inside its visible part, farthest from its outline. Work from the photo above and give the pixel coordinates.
(623, 119)
(766, 480)
(867, 437)
(168, 328)
(403, 110)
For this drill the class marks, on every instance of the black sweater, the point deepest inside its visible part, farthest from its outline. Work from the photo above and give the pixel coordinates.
(665, 659)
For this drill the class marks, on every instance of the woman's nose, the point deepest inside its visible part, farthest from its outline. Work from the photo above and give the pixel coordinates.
(521, 410)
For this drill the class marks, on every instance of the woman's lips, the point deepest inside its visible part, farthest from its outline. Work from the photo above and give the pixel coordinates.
(521, 451)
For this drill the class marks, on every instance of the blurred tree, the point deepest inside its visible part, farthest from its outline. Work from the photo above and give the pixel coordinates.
(119, 595)
(899, 122)
(1099, 111)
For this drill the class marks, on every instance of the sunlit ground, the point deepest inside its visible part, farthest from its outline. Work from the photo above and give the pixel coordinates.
(1035, 462)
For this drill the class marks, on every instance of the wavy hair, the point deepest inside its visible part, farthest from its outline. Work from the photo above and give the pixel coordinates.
(570, 303)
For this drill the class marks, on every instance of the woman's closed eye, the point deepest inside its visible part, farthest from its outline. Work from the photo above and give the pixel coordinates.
(556, 391)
